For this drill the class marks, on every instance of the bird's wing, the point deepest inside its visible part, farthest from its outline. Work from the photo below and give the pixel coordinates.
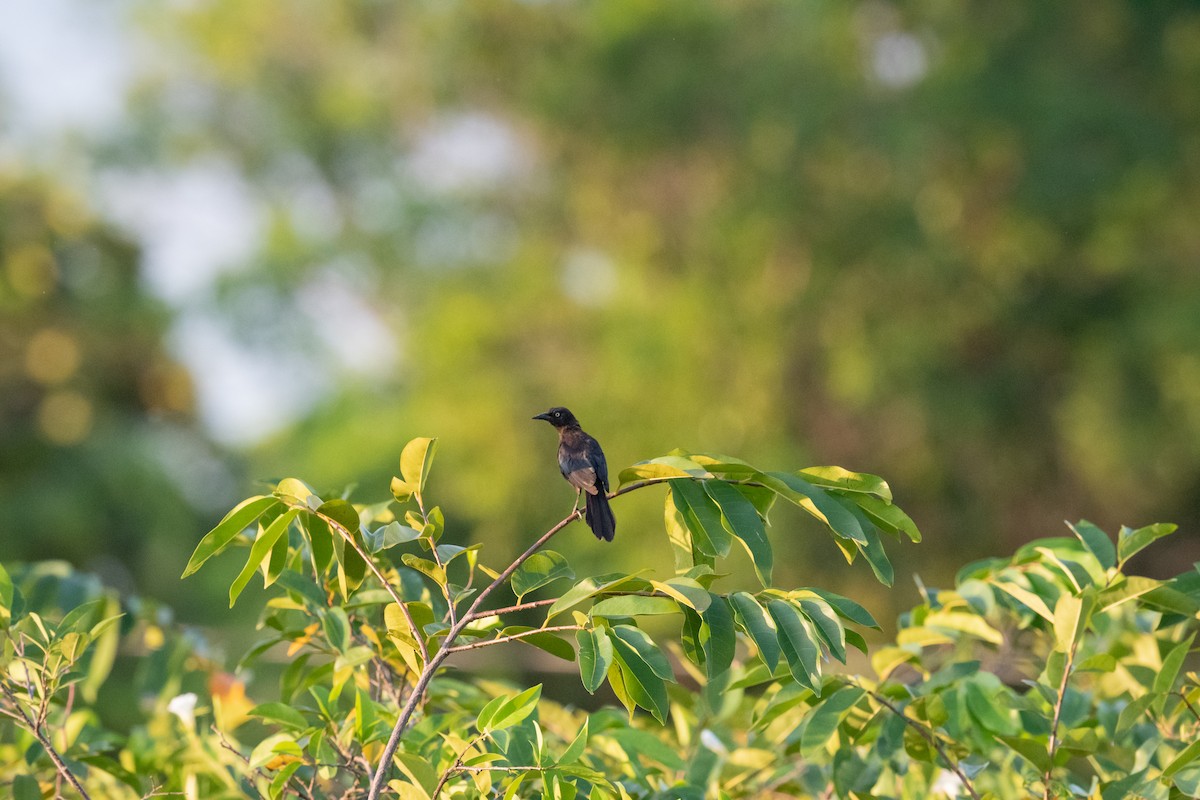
(596, 456)
(577, 469)
(584, 479)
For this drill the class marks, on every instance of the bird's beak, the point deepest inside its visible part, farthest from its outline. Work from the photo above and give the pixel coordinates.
(545, 416)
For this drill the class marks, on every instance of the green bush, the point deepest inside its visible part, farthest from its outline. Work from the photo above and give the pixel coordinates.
(1053, 673)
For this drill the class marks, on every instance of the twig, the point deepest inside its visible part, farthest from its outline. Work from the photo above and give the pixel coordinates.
(59, 764)
(226, 744)
(1187, 703)
(495, 612)
(930, 737)
(379, 575)
(436, 660)
(455, 766)
(1052, 746)
(511, 637)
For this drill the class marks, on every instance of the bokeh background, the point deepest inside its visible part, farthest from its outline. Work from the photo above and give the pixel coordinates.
(956, 244)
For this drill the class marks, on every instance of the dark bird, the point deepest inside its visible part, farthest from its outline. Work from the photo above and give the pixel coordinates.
(582, 463)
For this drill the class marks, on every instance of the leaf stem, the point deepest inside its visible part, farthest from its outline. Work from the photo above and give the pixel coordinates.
(929, 736)
(512, 638)
(495, 612)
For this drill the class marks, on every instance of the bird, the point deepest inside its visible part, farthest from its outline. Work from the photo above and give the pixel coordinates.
(582, 463)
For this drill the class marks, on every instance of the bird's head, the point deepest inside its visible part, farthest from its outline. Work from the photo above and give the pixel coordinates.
(559, 417)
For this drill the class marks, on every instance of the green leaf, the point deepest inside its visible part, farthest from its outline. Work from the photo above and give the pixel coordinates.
(538, 570)
(822, 615)
(641, 681)
(989, 708)
(1032, 601)
(702, 517)
(390, 535)
(1132, 713)
(717, 637)
(1096, 541)
(402, 490)
(336, 626)
(510, 711)
(1185, 757)
(237, 520)
(642, 745)
(342, 512)
(415, 461)
(632, 605)
(426, 567)
(576, 748)
(1164, 680)
(740, 518)
(1129, 588)
(1069, 622)
(844, 479)
(887, 517)
(646, 649)
(545, 640)
(320, 541)
(824, 719)
(797, 644)
(753, 619)
(1032, 750)
(877, 557)
(847, 608)
(1168, 599)
(281, 714)
(1131, 542)
(685, 591)
(964, 622)
(297, 490)
(595, 657)
(664, 467)
(26, 787)
(815, 501)
(106, 638)
(260, 550)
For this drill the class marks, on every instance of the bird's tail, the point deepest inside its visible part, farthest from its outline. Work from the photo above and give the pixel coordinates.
(599, 516)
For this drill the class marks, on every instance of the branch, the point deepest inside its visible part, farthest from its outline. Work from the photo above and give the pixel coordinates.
(1052, 747)
(930, 737)
(333, 523)
(418, 691)
(512, 637)
(45, 742)
(495, 612)
(456, 766)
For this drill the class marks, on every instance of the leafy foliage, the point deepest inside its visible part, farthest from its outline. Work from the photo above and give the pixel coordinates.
(1053, 671)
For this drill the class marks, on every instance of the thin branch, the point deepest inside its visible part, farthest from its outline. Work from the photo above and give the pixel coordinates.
(379, 575)
(59, 764)
(385, 760)
(929, 736)
(495, 612)
(226, 744)
(1187, 703)
(1052, 747)
(512, 637)
(437, 790)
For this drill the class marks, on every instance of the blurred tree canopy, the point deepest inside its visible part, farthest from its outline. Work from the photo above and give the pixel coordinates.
(951, 244)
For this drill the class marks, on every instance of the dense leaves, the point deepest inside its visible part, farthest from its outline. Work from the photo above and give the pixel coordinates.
(1053, 672)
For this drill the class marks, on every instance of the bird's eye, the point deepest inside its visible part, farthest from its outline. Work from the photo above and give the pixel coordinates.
(557, 414)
